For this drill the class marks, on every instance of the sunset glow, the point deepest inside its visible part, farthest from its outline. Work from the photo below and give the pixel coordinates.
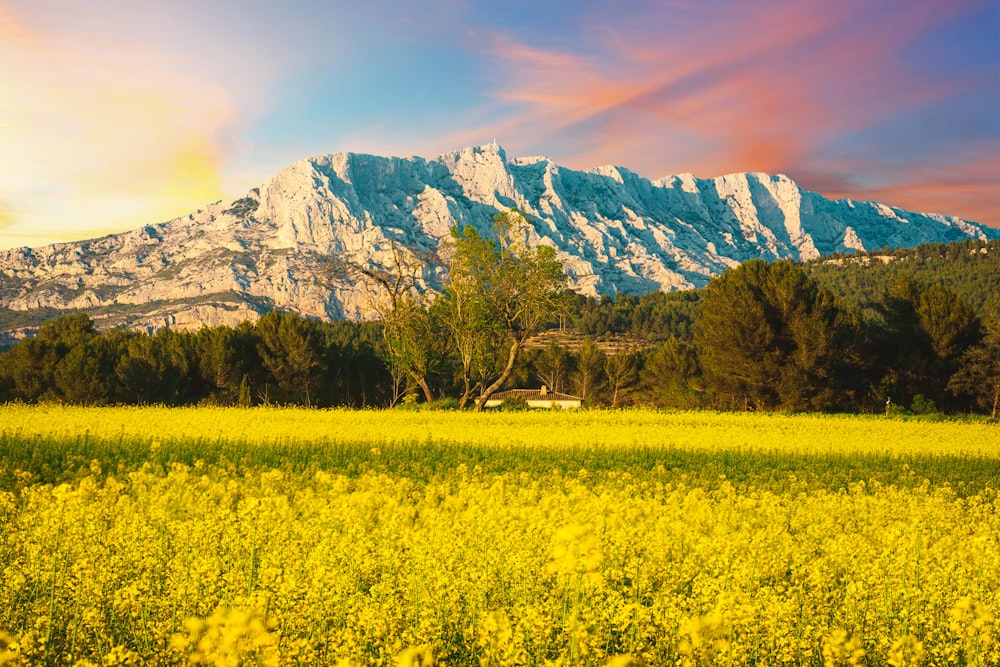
(132, 113)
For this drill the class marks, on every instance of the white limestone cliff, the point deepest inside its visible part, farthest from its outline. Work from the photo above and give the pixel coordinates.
(616, 232)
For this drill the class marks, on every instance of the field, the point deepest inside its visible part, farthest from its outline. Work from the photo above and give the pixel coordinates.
(293, 537)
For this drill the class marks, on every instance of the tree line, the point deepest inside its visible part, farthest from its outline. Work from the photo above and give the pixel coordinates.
(970, 269)
(762, 336)
(281, 359)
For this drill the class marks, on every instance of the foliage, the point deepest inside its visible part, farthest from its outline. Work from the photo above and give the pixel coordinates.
(653, 317)
(501, 291)
(283, 358)
(771, 338)
(291, 350)
(759, 337)
(241, 208)
(978, 375)
(412, 351)
(671, 376)
(970, 269)
(926, 330)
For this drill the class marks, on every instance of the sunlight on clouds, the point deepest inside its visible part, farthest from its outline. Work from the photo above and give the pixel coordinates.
(195, 170)
(83, 125)
(969, 189)
(6, 216)
(735, 87)
(118, 114)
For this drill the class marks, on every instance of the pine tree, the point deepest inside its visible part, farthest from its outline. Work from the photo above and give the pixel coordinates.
(978, 374)
(770, 338)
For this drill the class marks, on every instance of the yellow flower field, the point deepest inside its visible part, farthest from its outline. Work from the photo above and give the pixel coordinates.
(297, 537)
(603, 429)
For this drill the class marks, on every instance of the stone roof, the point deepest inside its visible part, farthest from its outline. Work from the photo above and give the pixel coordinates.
(534, 395)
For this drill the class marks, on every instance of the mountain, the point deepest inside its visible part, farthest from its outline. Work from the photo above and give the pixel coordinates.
(616, 231)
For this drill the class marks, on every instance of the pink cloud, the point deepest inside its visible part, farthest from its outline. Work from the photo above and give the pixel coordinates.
(748, 88)
(967, 189)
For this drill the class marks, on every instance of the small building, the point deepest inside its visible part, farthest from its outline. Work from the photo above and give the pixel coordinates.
(535, 398)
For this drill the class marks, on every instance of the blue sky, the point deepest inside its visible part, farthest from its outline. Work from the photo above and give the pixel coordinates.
(117, 114)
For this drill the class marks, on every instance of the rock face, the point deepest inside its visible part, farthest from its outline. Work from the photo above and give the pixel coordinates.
(616, 231)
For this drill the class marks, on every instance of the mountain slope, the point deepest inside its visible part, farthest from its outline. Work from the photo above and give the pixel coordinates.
(617, 232)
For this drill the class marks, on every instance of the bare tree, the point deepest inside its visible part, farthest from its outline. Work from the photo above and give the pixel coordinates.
(394, 293)
(553, 366)
(588, 378)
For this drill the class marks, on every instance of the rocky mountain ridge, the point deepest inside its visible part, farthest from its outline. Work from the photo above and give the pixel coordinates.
(616, 232)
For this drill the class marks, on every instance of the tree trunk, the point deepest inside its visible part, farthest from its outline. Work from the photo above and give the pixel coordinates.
(515, 347)
(424, 387)
(467, 381)
(467, 394)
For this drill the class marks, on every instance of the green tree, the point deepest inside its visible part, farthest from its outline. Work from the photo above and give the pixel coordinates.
(414, 342)
(927, 329)
(155, 369)
(413, 348)
(291, 350)
(68, 331)
(477, 334)
(84, 375)
(31, 366)
(228, 363)
(771, 338)
(360, 376)
(671, 375)
(978, 374)
(499, 289)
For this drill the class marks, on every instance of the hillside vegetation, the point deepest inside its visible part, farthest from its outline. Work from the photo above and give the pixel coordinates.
(913, 330)
(969, 269)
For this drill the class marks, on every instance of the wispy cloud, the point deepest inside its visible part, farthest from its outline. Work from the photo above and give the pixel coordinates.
(123, 112)
(88, 120)
(744, 88)
(971, 183)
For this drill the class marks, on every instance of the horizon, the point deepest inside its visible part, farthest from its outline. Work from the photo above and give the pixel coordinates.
(129, 114)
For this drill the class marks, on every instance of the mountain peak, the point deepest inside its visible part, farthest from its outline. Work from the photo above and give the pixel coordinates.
(615, 231)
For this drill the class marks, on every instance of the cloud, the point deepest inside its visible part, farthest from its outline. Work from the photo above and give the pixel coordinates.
(740, 87)
(103, 111)
(85, 121)
(152, 109)
(120, 113)
(967, 189)
(6, 215)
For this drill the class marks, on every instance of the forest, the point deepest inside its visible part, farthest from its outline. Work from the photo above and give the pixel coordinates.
(900, 331)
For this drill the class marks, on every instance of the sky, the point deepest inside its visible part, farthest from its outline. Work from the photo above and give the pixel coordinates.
(119, 113)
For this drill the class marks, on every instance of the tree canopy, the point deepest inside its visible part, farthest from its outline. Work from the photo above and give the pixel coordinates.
(760, 336)
(500, 292)
(771, 338)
